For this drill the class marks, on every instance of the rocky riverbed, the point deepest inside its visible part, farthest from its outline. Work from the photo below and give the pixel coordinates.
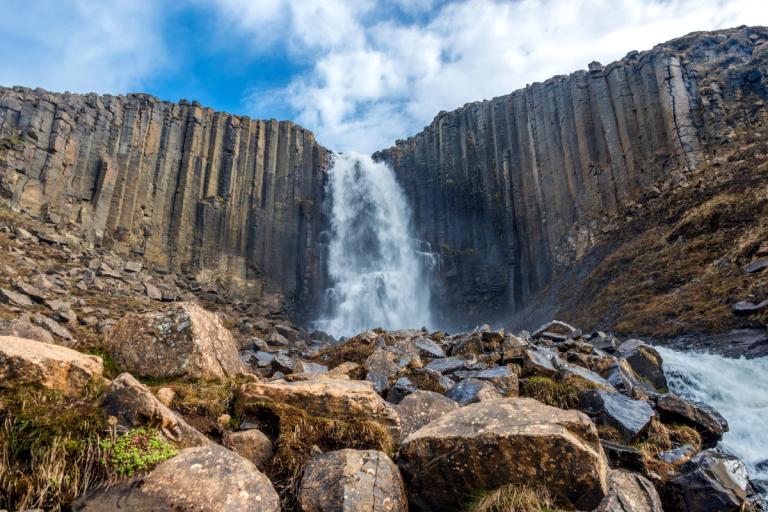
(124, 387)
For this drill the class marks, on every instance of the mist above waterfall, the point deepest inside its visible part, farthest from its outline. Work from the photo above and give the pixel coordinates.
(378, 275)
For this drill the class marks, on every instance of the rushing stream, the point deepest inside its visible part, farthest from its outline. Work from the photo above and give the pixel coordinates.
(376, 267)
(737, 388)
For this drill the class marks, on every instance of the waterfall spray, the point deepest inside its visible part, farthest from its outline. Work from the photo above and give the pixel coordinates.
(379, 277)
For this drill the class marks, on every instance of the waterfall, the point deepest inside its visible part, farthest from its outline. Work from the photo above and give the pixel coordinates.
(737, 388)
(377, 269)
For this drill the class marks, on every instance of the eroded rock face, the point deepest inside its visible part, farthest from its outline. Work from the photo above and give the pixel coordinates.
(486, 445)
(197, 479)
(338, 399)
(134, 405)
(54, 367)
(352, 480)
(181, 341)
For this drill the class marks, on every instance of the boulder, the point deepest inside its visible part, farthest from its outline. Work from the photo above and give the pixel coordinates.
(420, 408)
(400, 389)
(630, 492)
(352, 480)
(504, 379)
(621, 456)
(630, 417)
(645, 361)
(204, 478)
(381, 365)
(181, 341)
(703, 418)
(23, 329)
(428, 348)
(445, 365)
(710, 482)
(484, 446)
(470, 391)
(251, 444)
(134, 405)
(540, 362)
(24, 361)
(16, 298)
(337, 399)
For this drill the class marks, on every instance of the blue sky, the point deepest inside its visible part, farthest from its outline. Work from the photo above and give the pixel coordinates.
(359, 73)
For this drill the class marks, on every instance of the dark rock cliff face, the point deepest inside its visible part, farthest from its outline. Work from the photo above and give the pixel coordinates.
(192, 190)
(516, 190)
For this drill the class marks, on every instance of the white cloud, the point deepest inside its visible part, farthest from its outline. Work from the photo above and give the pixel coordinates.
(374, 80)
(81, 45)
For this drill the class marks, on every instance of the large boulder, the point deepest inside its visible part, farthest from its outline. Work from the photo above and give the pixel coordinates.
(630, 492)
(54, 367)
(337, 399)
(486, 445)
(703, 418)
(352, 480)
(134, 405)
(181, 341)
(209, 478)
(630, 417)
(645, 361)
(710, 482)
(420, 408)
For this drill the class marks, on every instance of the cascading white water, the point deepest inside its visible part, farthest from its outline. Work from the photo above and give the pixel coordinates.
(378, 276)
(736, 388)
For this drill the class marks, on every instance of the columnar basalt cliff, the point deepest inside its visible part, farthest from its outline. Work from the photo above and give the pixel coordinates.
(517, 190)
(192, 190)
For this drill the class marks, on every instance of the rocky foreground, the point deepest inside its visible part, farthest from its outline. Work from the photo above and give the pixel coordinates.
(124, 389)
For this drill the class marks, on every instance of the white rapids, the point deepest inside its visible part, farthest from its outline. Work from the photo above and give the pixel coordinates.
(378, 275)
(736, 388)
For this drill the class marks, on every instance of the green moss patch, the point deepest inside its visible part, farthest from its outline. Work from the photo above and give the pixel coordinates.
(138, 451)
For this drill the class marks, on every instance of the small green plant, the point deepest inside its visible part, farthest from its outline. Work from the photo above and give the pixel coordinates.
(137, 451)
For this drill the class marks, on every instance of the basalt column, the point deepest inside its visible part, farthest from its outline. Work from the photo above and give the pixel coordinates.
(512, 190)
(225, 197)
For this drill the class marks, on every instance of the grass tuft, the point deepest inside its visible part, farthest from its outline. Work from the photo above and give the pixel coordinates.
(49, 448)
(514, 498)
(298, 436)
(564, 395)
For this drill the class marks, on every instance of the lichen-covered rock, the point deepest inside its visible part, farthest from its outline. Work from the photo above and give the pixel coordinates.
(181, 341)
(251, 444)
(630, 492)
(54, 367)
(327, 398)
(134, 405)
(352, 480)
(484, 446)
(420, 408)
(209, 478)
